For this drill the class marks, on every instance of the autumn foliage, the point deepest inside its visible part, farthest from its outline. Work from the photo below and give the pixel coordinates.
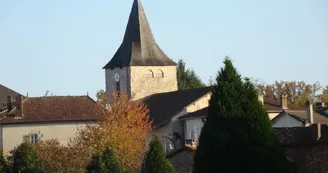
(59, 158)
(124, 127)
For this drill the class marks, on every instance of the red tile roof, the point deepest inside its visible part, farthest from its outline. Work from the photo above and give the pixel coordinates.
(55, 108)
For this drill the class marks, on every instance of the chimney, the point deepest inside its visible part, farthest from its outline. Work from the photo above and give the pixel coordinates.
(9, 103)
(309, 112)
(283, 102)
(261, 99)
(316, 130)
(19, 104)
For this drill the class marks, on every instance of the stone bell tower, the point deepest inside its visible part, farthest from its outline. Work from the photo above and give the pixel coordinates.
(139, 67)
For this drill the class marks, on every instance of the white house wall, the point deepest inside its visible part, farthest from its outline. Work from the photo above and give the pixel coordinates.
(12, 134)
(193, 128)
(176, 125)
(273, 115)
(286, 121)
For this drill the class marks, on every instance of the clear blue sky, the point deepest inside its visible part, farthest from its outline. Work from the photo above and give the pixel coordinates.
(62, 45)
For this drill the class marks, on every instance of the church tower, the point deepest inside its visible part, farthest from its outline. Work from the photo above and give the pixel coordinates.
(139, 67)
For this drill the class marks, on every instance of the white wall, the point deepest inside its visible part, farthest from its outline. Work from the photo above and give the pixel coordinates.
(193, 128)
(12, 134)
(286, 121)
(273, 115)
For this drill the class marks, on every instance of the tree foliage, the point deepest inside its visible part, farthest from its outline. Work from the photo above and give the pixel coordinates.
(3, 163)
(155, 161)
(73, 156)
(26, 159)
(124, 127)
(101, 97)
(106, 162)
(237, 135)
(187, 78)
(298, 92)
(324, 95)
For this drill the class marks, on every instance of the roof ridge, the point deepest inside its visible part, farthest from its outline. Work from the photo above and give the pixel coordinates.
(59, 96)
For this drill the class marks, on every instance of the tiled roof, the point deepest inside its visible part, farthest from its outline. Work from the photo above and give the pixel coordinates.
(317, 118)
(164, 106)
(273, 105)
(302, 135)
(139, 47)
(4, 93)
(56, 108)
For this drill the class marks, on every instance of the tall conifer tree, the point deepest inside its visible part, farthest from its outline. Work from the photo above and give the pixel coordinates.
(237, 135)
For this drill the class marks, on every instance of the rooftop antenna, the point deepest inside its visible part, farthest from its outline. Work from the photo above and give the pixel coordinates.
(87, 93)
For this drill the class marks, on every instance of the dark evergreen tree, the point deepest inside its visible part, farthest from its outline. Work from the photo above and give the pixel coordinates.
(187, 78)
(237, 135)
(3, 163)
(106, 162)
(26, 159)
(155, 160)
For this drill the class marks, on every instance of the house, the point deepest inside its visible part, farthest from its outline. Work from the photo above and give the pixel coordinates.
(4, 93)
(307, 146)
(289, 116)
(55, 117)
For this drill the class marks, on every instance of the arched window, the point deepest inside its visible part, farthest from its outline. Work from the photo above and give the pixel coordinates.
(159, 74)
(150, 74)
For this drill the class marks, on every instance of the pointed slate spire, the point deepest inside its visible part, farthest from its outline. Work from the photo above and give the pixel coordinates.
(139, 47)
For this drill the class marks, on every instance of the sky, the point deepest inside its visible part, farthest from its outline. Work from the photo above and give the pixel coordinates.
(61, 45)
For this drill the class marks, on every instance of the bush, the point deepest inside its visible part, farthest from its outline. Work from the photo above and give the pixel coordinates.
(155, 161)
(3, 163)
(105, 162)
(73, 157)
(26, 159)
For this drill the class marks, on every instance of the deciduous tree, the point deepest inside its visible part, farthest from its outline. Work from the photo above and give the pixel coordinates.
(73, 156)
(125, 127)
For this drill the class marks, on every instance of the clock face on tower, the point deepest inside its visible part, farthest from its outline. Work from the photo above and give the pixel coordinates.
(117, 77)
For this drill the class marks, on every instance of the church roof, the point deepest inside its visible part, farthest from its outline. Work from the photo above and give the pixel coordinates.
(139, 47)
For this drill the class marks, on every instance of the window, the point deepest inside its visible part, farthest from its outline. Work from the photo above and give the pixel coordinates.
(150, 74)
(34, 139)
(159, 74)
(4, 104)
(31, 138)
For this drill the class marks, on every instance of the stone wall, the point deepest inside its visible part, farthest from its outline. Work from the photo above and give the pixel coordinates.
(111, 83)
(148, 80)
